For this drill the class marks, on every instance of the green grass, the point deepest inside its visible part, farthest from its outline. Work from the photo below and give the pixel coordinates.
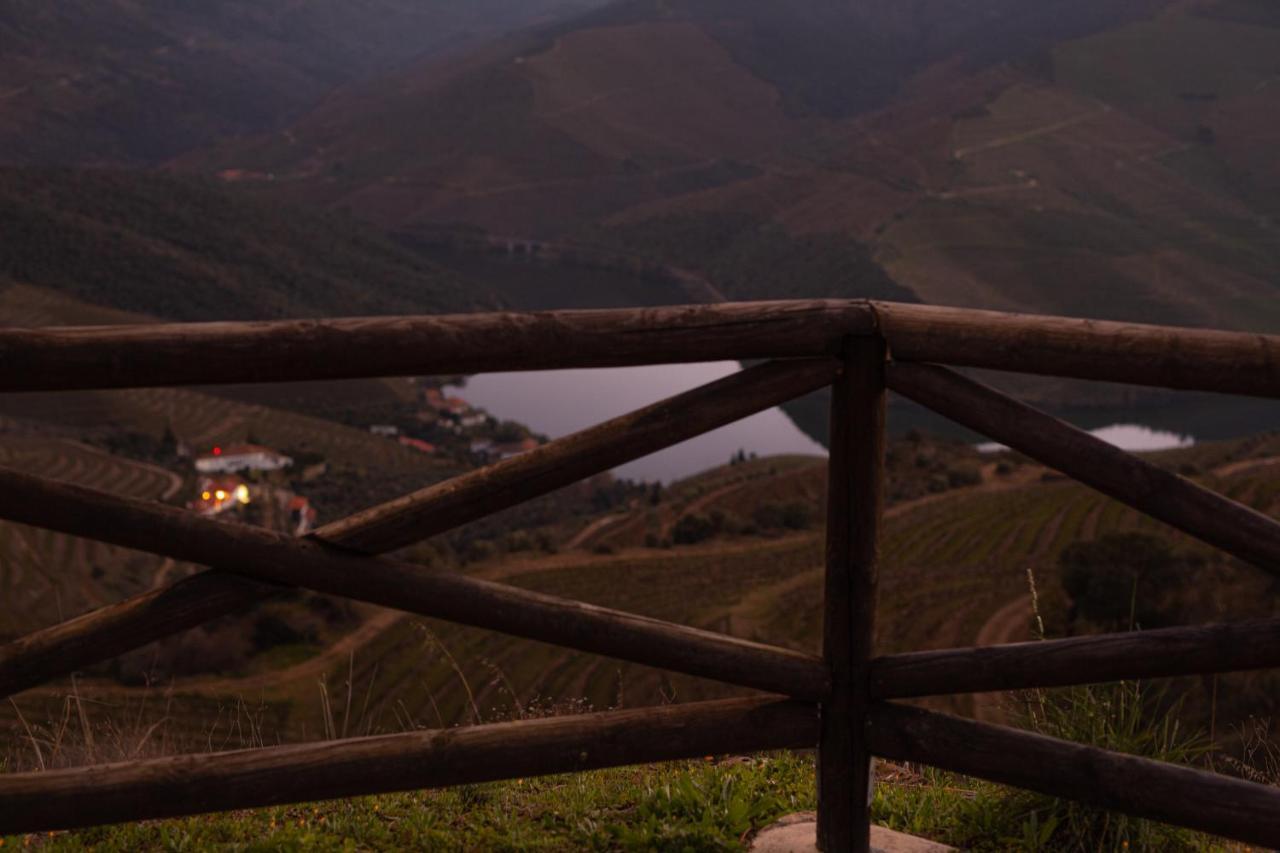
(686, 806)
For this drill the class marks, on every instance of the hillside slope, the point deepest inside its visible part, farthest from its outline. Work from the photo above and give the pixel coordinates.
(192, 250)
(98, 81)
(638, 101)
(1087, 158)
(956, 556)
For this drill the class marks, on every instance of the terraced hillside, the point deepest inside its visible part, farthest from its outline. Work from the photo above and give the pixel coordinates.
(46, 577)
(955, 573)
(274, 415)
(127, 82)
(203, 420)
(1104, 159)
(193, 250)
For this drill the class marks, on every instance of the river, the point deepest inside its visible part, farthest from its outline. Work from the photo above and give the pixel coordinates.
(555, 403)
(559, 402)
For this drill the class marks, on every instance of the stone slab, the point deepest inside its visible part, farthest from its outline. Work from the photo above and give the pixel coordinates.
(798, 833)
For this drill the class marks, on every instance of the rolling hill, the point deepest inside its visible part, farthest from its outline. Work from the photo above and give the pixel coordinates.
(193, 250)
(112, 81)
(955, 564)
(1082, 158)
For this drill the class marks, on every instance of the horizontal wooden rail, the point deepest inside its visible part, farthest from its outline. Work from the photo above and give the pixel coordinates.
(813, 334)
(1161, 653)
(192, 784)
(280, 559)
(1161, 356)
(67, 358)
(109, 631)
(60, 359)
(1220, 805)
(1175, 500)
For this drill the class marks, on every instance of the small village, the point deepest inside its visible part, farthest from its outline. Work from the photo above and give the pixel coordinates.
(448, 423)
(233, 480)
(246, 481)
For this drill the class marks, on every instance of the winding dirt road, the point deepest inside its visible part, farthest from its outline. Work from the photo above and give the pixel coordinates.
(1009, 624)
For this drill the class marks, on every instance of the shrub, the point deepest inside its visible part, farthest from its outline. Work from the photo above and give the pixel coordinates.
(269, 631)
(693, 528)
(519, 541)
(1126, 717)
(964, 475)
(478, 550)
(792, 515)
(1124, 579)
(767, 516)
(797, 515)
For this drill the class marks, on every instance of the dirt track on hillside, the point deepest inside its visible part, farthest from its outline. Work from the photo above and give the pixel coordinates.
(382, 620)
(1231, 469)
(1009, 624)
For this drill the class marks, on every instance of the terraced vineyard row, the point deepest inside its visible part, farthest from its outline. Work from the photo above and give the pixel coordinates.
(950, 564)
(47, 577)
(203, 420)
(726, 489)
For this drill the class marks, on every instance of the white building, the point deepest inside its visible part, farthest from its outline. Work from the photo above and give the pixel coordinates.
(242, 457)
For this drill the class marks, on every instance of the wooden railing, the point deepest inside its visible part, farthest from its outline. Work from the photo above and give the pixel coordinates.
(840, 702)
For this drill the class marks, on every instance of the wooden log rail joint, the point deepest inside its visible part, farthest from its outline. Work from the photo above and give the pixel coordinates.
(836, 702)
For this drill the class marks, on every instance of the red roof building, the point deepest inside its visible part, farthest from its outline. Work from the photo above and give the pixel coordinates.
(417, 444)
(241, 457)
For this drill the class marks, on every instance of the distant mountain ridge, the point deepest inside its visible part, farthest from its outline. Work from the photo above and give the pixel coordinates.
(1109, 159)
(638, 101)
(838, 58)
(1095, 157)
(91, 82)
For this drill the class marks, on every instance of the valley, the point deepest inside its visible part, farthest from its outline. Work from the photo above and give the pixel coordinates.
(1026, 180)
(959, 546)
(184, 162)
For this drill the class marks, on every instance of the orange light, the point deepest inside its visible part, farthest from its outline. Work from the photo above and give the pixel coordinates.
(205, 496)
(221, 495)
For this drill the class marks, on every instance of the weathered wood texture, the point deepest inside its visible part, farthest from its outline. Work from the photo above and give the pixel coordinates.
(112, 630)
(572, 458)
(849, 726)
(1221, 805)
(203, 353)
(1162, 356)
(1175, 500)
(855, 507)
(191, 784)
(1161, 653)
(285, 560)
(59, 359)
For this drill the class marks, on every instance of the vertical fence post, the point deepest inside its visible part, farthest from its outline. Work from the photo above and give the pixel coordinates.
(855, 502)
